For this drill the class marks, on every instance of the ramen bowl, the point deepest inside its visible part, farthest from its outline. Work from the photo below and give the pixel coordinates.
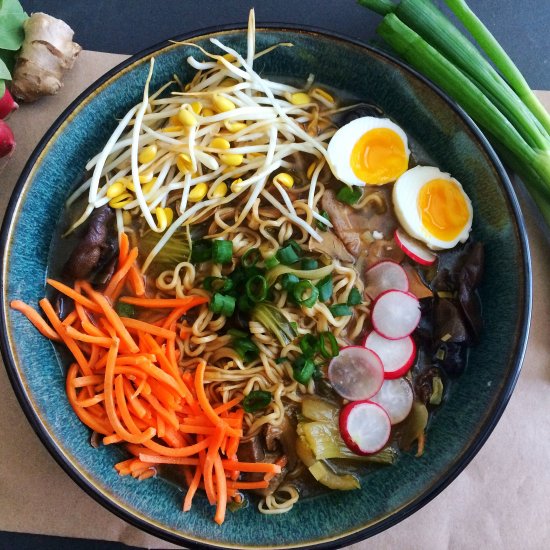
(444, 136)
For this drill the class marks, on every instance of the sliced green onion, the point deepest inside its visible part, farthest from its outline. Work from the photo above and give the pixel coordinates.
(309, 263)
(218, 284)
(222, 305)
(320, 225)
(248, 351)
(245, 303)
(289, 281)
(349, 195)
(297, 248)
(281, 360)
(309, 345)
(355, 298)
(305, 293)
(324, 286)
(303, 369)
(256, 400)
(287, 255)
(201, 251)
(251, 257)
(334, 349)
(222, 251)
(271, 262)
(236, 333)
(340, 310)
(125, 310)
(256, 288)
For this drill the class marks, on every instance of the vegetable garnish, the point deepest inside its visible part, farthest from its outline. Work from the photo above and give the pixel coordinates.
(498, 99)
(126, 385)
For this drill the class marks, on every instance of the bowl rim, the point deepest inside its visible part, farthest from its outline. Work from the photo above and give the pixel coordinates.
(476, 442)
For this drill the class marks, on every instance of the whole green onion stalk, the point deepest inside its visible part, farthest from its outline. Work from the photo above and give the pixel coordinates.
(499, 100)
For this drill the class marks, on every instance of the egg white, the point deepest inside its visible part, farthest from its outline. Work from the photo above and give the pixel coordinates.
(343, 141)
(405, 202)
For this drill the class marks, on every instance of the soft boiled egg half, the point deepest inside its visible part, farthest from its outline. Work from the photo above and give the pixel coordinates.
(432, 207)
(368, 150)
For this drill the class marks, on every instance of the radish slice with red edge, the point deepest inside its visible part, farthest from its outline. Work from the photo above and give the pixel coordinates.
(397, 356)
(414, 249)
(356, 373)
(386, 275)
(395, 314)
(365, 427)
(396, 398)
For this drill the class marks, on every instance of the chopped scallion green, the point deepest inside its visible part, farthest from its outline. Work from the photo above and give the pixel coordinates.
(305, 293)
(340, 310)
(355, 298)
(250, 257)
(309, 263)
(125, 310)
(256, 400)
(320, 225)
(201, 251)
(289, 281)
(349, 195)
(271, 262)
(287, 255)
(334, 349)
(324, 286)
(222, 305)
(248, 351)
(218, 284)
(303, 369)
(256, 288)
(222, 251)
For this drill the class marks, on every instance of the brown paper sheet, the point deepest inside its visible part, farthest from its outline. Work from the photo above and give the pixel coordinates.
(501, 500)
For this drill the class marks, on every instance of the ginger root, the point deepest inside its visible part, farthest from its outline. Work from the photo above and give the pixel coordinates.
(46, 54)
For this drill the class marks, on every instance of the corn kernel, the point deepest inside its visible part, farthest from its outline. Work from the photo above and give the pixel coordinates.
(126, 217)
(148, 154)
(121, 201)
(187, 118)
(184, 163)
(234, 127)
(116, 189)
(284, 179)
(220, 191)
(174, 121)
(198, 192)
(208, 112)
(320, 93)
(222, 104)
(220, 143)
(311, 169)
(231, 159)
(146, 177)
(299, 98)
(236, 186)
(197, 107)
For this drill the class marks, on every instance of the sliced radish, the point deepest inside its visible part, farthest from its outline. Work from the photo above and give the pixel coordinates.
(356, 373)
(384, 276)
(396, 398)
(414, 249)
(365, 427)
(397, 356)
(395, 314)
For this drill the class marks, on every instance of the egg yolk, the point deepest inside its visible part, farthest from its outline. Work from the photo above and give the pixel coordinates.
(443, 209)
(379, 156)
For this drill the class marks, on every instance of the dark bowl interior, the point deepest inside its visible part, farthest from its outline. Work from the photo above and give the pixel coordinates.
(441, 134)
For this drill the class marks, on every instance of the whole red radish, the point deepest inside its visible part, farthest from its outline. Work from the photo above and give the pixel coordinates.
(7, 104)
(7, 140)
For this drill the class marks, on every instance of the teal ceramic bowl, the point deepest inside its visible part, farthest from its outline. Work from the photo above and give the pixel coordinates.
(443, 135)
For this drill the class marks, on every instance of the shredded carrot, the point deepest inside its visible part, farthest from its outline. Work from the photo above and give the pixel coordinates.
(35, 318)
(126, 384)
(73, 294)
(188, 302)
